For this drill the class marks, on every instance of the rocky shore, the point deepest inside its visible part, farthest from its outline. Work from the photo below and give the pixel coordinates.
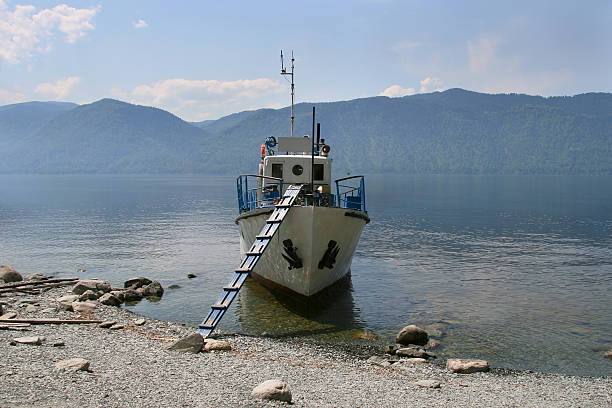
(127, 363)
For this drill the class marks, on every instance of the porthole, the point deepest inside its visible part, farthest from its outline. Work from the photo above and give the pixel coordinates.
(297, 170)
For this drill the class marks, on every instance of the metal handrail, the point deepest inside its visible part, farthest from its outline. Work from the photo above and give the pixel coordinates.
(247, 198)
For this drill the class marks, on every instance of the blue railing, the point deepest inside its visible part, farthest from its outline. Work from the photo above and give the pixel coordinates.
(259, 196)
(349, 195)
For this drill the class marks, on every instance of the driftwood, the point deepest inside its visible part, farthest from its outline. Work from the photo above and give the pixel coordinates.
(36, 282)
(14, 326)
(33, 288)
(50, 321)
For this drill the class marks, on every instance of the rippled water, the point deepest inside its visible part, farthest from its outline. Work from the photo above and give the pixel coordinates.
(513, 269)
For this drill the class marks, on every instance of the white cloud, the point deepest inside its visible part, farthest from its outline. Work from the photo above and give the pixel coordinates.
(482, 54)
(8, 97)
(140, 23)
(201, 99)
(403, 46)
(430, 84)
(395, 91)
(24, 32)
(58, 89)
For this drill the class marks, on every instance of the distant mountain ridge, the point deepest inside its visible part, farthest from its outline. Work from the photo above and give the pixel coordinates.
(455, 131)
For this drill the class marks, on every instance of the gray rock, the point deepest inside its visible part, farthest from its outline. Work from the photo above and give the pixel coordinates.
(153, 289)
(35, 276)
(109, 300)
(9, 315)
(90, 295)
(58, 344)
(428, 383)
(216, 345)
(65, 302)
(118, 294)
(276, 390)
(131, 295)
(34, 340)
(73, 364)
(8, 274)
(413, 352)
(465, 366)
(189, 344)
(91, 284)
(412, 335)
(413, 360)
(379, 361)
(30, 309)
(139, 322)
(432, 344)
(136, 283)
(106, 324)
(83, 306)
(174, 287)
(117, 326)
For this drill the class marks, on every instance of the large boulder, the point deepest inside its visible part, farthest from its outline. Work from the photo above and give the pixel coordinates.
(109, 300)
(272, 390)
(131, 295)
(95, 285)
(84, 306)
(412, 335)
(153, 289)
(8, 274)
(90, 295)
(189, 344)
(463, 366)
(136, 283)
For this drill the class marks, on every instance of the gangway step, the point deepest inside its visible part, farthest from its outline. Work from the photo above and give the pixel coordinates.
(230, 291)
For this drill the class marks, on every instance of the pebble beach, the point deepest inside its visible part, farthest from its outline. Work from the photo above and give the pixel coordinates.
(131, 366)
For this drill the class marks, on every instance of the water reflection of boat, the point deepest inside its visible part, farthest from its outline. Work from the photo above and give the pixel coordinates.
(331, 313)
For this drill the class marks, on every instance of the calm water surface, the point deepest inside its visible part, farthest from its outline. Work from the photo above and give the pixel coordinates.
(513, 269)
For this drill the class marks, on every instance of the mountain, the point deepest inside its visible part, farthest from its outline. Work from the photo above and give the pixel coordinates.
(455, 131)
(19, 120)
(110, 136)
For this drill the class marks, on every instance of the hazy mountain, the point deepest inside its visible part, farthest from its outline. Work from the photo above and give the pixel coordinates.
(20, 120)
(455, 131)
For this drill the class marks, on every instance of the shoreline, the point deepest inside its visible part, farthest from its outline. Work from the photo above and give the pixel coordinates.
(130, 366)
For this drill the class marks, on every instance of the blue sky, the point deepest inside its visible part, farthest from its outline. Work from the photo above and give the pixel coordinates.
(206, 59)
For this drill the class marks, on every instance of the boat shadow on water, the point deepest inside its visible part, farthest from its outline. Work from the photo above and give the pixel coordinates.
(329, 314)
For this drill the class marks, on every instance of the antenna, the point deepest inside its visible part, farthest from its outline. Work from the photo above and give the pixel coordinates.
(284, 72)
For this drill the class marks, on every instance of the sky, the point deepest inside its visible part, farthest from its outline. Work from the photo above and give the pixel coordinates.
(203, 60)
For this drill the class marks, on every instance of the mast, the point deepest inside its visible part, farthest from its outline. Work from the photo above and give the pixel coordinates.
(284, 72)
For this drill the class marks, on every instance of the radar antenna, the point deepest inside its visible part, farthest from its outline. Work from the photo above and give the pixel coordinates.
(284, 72)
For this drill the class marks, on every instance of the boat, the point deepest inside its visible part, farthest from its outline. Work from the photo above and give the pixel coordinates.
(314, 245)
(298, 229)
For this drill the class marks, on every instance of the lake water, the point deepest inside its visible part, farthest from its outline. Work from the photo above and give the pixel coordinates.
(513, 269)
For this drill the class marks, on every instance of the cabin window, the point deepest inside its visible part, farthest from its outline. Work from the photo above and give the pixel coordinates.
(319, 172)
(277, 170)
(297, 170)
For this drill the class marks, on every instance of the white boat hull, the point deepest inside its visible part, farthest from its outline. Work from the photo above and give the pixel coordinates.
(324, 239)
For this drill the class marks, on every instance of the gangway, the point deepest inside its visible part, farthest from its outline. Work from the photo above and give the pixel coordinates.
(248, 263)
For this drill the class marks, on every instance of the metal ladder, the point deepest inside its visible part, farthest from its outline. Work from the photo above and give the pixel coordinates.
(252, 256)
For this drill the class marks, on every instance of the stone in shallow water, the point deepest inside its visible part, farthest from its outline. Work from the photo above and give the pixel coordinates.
(465, 366)
(428, 383)
(189, 344)
(73, 364)
(272, 390)
(136, 283)
(412, 335)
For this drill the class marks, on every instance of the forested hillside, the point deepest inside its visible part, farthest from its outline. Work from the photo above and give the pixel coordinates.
(455, 131)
